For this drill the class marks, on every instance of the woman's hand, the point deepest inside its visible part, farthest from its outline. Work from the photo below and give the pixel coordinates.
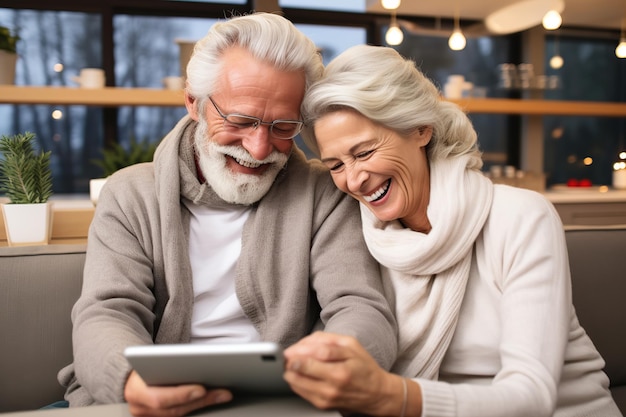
(174, 401)
(336, 372)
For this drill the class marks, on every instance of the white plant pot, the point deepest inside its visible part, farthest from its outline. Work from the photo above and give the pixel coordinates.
(95, 186)
(27, 224)
(7, 67)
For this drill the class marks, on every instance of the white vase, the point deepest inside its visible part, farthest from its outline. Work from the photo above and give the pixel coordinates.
(7, 67)
(184, 54)
(27, 224)
(619, 179)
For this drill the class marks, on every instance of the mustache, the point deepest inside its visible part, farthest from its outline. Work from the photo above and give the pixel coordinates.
(240, 153)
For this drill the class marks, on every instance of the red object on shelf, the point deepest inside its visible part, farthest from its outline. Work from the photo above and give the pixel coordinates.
(585, 182)
(572, 182)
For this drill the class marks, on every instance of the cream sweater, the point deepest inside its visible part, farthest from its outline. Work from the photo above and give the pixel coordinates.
(518, 349)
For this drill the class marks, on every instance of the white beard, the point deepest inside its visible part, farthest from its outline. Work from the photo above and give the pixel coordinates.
(236, 188)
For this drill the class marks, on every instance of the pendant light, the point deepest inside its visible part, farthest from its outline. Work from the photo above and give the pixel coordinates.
(390, 4)
(620, 51)
(552, 20)
(457, 41)
(556, 61)
(394, 35)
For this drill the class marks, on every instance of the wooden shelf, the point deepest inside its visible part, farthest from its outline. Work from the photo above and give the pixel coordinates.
(106, 97)
(114, 97)
(542, 107)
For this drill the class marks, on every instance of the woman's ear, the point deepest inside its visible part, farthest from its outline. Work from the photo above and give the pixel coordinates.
(424, 134)
(191, 103)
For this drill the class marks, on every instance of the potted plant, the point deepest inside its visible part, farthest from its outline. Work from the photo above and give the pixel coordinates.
(117, 157)
(26, 179)
(8, 55)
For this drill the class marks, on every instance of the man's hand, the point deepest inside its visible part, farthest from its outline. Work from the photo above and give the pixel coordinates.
(174, 401)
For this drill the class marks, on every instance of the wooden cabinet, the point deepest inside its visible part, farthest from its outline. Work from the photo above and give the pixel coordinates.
(592, 214)
(593, 207)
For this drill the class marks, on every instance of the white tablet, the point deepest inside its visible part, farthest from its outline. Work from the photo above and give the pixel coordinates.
(247, 367)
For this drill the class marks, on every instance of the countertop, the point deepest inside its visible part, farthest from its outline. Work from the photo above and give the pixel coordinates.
(574, 195)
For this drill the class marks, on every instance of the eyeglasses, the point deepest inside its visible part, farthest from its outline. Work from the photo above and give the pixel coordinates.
(280, 129)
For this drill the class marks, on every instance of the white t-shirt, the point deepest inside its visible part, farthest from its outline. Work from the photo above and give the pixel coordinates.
(214, 248)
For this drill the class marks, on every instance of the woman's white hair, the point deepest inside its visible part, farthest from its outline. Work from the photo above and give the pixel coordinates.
(388, 89)
(268, 37)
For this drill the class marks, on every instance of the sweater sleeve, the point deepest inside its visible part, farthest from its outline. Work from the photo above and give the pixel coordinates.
(116, 305)
(523, 243)
(348, 283)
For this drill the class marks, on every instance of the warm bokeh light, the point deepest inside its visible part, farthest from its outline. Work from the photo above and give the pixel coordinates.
(619, 165)
(552, 20)
(457, 41)
(557, 132)
(556, 62)
(620, 51)
(390, 4)
(588, 161)
(58, 67)
(57, 114)
(622, 155)
(394, 35)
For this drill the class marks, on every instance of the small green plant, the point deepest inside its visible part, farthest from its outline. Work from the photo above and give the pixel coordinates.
(25, 176)
(8, 41)
(118, 157)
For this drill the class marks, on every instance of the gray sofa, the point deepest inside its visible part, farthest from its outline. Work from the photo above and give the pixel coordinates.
(38, 286)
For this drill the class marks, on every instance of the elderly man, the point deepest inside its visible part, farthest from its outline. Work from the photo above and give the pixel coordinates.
(230, 235)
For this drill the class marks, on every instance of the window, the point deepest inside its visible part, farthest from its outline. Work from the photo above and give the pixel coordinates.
(54, 47)
(140, 50)
(478, 63)
(145, 51)
(577, 148)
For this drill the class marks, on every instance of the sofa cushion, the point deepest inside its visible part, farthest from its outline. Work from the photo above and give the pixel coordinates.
(38, 288)
(596, 257)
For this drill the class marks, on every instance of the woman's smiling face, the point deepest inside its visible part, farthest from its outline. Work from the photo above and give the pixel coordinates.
(378, 167)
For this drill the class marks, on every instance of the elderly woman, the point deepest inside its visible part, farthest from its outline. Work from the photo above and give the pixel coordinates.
(478, 273)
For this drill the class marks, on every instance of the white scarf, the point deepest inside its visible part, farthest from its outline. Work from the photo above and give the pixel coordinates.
(429, 272)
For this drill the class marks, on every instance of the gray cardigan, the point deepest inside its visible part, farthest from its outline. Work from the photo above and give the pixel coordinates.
(303, 265)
